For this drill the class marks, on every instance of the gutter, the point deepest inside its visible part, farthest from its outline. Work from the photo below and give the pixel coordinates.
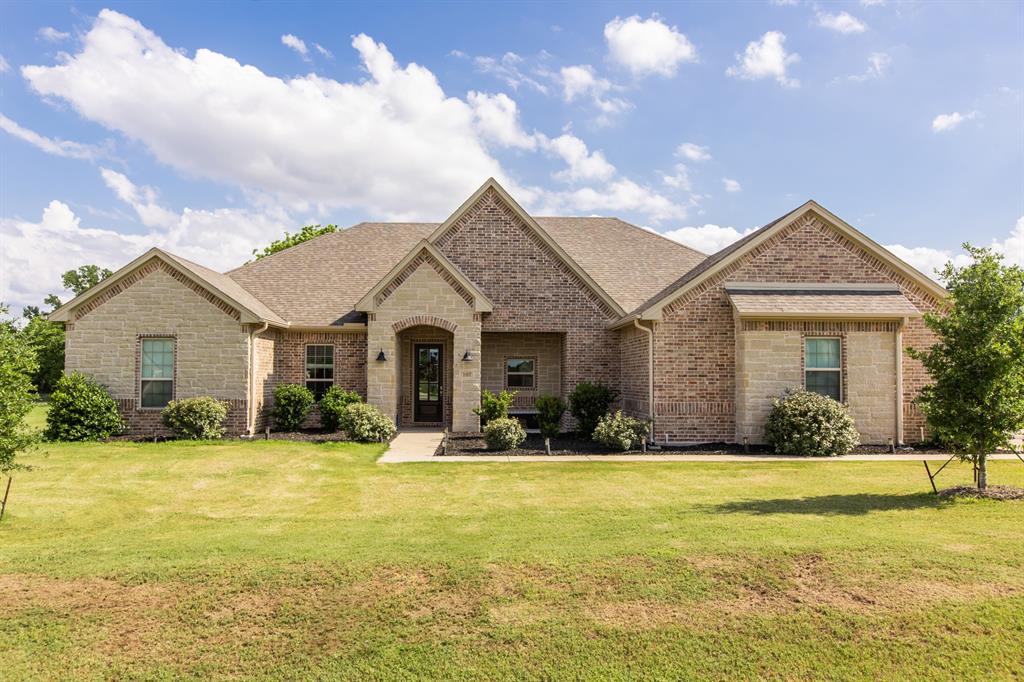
(250, 417)
(650, 375)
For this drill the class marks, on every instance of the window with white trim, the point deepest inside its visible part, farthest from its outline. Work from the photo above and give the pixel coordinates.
(520, 373)
(823, 371)
(319, 369)
(157, 372)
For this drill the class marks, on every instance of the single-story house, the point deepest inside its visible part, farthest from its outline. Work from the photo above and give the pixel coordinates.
(420, 317)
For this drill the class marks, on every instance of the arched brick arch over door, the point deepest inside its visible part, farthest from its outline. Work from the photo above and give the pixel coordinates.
(424, 320)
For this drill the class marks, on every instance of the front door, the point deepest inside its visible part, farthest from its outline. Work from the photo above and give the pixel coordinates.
(428, 390)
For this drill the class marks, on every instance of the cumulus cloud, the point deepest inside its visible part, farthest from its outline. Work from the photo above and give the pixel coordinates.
(582, 163)
(142, 199)
(707, 238)
(497, 119)
(766, 58)
(52, 35)
(679, 179)
(731, 185)
(50, 145)
(929, 260)
(693, 152)
(841, 22)
(295, 43)
(647, 46)
(4, 65)
(580, 81)
(618, 196)
(946, 122)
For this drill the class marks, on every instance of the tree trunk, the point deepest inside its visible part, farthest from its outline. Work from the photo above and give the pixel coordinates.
(982, 471)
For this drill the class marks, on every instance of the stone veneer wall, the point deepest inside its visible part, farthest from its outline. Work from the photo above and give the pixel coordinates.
(211, 346)
(870, 371)
(533, 290)
(425, 298)
(695, 356)
(767, 363)
(546, 351)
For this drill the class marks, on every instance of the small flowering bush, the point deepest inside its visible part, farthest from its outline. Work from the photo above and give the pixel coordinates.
(333, 406)
(810, 425)
(504, 433)
(366, 424)
(620, 432)
(195, 418)
(494, 406)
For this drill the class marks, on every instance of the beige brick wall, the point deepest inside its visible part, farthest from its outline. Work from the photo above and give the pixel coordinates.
(211, 347)
(767, 364)
(871, 384)
(425, 293)
(545, 349)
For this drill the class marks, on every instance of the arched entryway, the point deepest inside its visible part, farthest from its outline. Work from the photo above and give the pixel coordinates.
(426, 361)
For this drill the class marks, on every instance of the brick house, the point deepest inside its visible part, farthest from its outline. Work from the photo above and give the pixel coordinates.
(420, 317)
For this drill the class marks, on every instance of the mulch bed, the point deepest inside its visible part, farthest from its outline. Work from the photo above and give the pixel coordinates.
(568, 444)
(992, 492)
(306, 436)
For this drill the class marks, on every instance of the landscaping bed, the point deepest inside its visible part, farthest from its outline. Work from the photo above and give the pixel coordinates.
(992, 492)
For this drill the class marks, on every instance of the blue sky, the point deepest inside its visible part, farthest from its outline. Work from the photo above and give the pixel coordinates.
(209, 129)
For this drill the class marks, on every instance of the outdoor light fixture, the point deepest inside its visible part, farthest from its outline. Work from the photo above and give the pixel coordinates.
(381, 357)
(468, 356)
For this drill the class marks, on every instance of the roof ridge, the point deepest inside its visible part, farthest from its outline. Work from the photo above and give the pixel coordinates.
(292, 248)
(659, 234)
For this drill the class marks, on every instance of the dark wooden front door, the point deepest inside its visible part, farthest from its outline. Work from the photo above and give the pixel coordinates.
(428, 398)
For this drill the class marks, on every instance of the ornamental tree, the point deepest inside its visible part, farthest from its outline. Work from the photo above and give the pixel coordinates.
(17, 365)
(975, 403)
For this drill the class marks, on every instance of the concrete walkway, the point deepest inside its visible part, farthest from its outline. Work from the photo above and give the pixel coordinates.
(419, 445)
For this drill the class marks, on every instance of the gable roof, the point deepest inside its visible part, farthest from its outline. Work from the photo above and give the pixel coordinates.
(481, 304)
(770, 300)
(651, 309)
(250, 308)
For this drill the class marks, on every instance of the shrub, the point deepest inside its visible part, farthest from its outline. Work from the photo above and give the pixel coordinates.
(550, 409)
(291, 405)
(81, 409)
(494, 406)
(588, 403)
(195, 418)
(810, 424)
(333, 406)
(504, 433)
(366, 424)
(620, 431)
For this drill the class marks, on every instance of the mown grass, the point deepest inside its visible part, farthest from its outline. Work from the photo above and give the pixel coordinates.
(294, 560)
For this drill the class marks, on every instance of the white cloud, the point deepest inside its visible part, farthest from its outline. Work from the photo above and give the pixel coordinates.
(878, 65)
(50, 145)
(4, 65)
(497, 119)
(583, 164)
(707, 238)
(308, 139)
(841, 22)
(323, 51)
(619, 196)
(647, 46)
(944, 122)
(872, 3)
(580, 81)
(680, 179)
(506, 69)
(766, 58)
(52, 35)
(693, 152)
(731, 185)
(34, 254)
(785, 3)
(142, 199)
(929, 260)
(295, 43)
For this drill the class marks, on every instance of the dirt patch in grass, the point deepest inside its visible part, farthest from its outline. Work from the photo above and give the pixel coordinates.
(992, 492)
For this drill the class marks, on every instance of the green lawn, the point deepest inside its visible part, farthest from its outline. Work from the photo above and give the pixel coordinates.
(36, 419)
(292, 560)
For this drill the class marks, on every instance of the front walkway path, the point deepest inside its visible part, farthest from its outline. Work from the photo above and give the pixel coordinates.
(419, 445)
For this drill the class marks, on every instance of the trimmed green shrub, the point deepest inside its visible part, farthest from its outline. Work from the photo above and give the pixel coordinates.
(366, 424)
(504, 433)
(550, 409)
(292, 403)
(620, 431)
(82, 409)
(588, 403)
(811, 425)
(494, 406)
(195, 418)
(333, 406)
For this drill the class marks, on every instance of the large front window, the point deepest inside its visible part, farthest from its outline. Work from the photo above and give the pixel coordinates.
(157, 372)
(823, 367)
(319, 369)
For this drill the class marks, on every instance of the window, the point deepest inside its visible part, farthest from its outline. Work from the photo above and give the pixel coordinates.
(823, 368)
(519, 373)
(319, 369)
(157, 372)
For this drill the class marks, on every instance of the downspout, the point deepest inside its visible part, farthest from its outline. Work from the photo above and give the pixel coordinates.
(899, 381)
(650, 375)
(250, 416)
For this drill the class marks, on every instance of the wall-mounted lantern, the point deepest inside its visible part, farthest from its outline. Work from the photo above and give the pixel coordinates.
(468, 356)
(381, 357)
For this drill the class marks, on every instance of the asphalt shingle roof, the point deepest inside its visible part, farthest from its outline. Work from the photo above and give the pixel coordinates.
(882, 303)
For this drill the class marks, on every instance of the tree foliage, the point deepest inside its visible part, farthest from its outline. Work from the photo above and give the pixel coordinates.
(17, 364)
(289, 240)
(975, 403)
(46, 340)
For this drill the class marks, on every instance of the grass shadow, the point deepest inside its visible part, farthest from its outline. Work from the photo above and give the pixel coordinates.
(832, 505)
